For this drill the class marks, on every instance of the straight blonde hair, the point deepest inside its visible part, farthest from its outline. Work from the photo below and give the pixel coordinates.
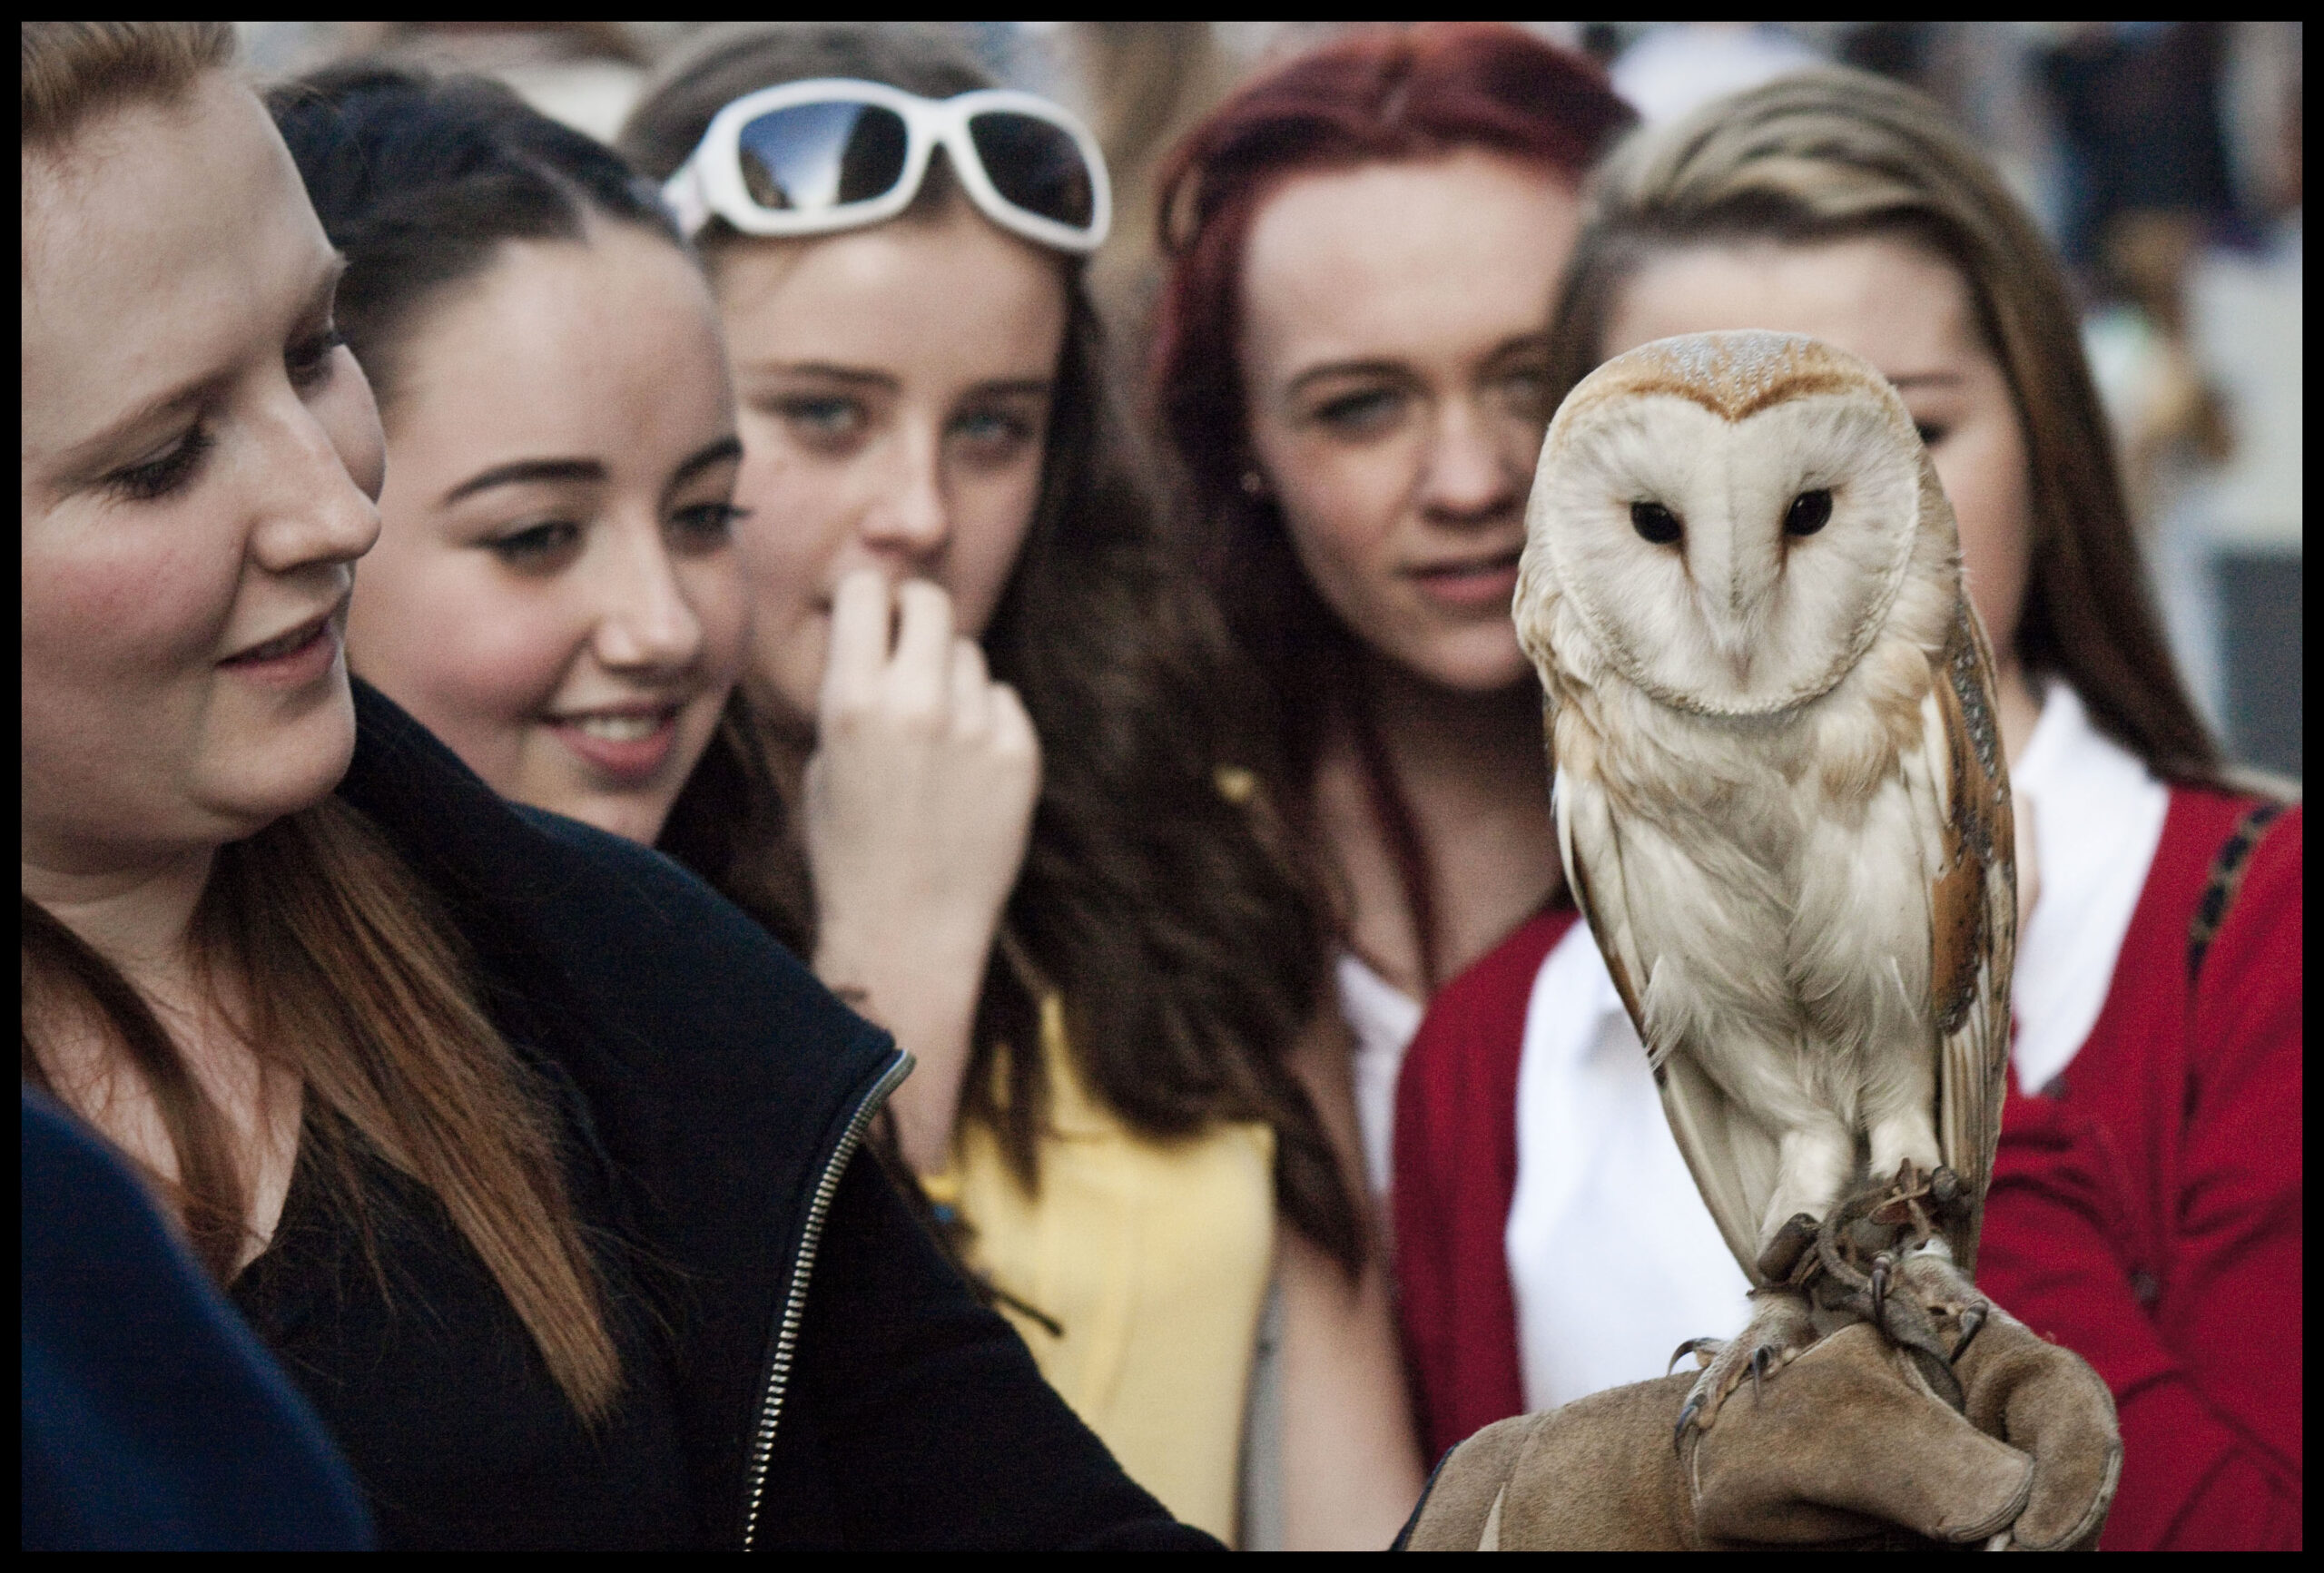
(359, 986)
(1834, 153)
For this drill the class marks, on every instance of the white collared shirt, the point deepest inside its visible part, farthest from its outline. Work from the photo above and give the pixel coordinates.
(1384, 1019)
(1613, 1257)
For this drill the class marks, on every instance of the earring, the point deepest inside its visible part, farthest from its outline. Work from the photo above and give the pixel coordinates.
(1254, 484)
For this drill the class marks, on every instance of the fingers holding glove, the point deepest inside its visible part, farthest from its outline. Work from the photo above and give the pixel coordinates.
(1846, 1445)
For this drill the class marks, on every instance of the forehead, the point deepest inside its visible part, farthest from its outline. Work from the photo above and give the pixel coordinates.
(944, 298)
(161, 242)
(1890, 301)
(605, 347)
(1402, 258)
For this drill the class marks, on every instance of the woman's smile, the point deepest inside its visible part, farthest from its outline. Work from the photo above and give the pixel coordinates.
(626, 745)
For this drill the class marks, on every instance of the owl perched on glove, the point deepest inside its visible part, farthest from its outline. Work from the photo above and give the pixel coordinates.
(1783, 809)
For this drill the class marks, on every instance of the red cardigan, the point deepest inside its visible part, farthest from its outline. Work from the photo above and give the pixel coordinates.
(2145, 1211)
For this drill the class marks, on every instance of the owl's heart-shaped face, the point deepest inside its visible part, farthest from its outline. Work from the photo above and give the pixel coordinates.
(1732, 566)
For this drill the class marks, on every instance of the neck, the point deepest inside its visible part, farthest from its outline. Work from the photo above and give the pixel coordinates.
(1446, 742)
(2020, 706)
(137, 914)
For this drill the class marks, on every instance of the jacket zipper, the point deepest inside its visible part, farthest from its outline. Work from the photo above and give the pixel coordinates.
(794, 1304)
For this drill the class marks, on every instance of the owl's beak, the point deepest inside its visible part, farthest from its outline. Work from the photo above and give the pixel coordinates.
(1731, 596)
(1733, 644)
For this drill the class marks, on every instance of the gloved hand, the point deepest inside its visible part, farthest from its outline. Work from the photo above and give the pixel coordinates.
(1844, 1446)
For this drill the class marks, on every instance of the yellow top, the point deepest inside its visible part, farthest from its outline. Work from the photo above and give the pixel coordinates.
(1152, 1258)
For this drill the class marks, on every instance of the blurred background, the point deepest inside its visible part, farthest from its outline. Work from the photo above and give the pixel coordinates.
(2163, 158)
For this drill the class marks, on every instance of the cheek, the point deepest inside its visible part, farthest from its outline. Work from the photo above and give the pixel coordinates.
(714, 587)
(1340, 509)
(990, 518)
(121, 625)
(788, 551)
(446, 634)
(124, 727)
(139, 604)
(1982, 469)
(798, 514)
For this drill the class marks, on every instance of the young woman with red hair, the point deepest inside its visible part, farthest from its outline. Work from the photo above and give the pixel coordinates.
(1350, 366)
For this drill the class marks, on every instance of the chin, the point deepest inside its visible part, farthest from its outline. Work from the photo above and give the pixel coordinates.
(637, 817)
(1474, 661)
(293, 765)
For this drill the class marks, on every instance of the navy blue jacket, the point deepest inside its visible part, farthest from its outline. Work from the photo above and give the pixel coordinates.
(152, 1419)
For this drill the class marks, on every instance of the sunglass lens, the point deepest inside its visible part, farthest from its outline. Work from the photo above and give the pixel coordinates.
(813, 156)
(1036, 166)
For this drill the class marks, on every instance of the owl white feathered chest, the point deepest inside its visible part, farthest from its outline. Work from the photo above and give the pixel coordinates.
(1779, 786)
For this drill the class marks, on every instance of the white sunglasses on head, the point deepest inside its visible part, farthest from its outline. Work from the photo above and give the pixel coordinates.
(807, 158)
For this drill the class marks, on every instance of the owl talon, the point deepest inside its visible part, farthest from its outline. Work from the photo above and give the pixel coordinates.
(1971, 1317)
(1884, 1267)
(1686, 1418)
(1702, 1349)
(1781, 1325)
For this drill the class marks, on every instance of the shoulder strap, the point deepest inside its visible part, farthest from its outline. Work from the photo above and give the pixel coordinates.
(2226, 878)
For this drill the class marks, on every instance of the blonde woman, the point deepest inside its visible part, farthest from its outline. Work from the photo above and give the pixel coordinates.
(2146, 1208)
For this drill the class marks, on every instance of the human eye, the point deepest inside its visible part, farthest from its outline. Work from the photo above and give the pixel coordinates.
(1362, 412)
(152, 479)
(993, 436)
(823, 419)
(539, 548)
(1932, 432)
(705, 527)
(1525, 389)
(309, 360)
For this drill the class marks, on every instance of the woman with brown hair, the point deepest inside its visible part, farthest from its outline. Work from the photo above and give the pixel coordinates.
(2146, 1207)
(527, 1157)
(1350, 367)
(991, 778)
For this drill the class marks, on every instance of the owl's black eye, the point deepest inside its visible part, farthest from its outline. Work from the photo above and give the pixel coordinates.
(1809, 512)
(1656, 523)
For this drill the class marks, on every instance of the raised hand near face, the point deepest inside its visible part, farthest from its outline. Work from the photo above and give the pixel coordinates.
(918, 802)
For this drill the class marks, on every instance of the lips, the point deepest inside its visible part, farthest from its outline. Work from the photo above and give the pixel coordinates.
(294, 657)
(628, 747)
(1476, 582)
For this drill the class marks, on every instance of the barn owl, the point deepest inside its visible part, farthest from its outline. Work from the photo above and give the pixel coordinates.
(1783, 809)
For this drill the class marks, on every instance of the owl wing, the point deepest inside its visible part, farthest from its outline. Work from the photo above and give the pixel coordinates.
(1731, 1156)
(1959, 784)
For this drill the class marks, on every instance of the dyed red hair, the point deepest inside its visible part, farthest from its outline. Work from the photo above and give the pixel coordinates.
(1380, 95)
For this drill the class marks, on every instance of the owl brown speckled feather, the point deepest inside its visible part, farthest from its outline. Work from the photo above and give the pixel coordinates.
(1780, 794)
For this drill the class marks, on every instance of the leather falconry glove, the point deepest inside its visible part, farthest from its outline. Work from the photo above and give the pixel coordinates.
(1846, 1446)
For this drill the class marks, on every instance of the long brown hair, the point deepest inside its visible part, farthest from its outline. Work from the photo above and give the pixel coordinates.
(1835, 153)
(1188, 953)
(1378, 96)
(356, 985)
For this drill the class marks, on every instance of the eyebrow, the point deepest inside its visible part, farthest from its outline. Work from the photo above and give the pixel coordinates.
(1014, 388)
(725, 450)
(1514, 344)
(831, 372)
(84, 459)
(571, 471)
(1928, 379)
(861, 377)
(1346, 368)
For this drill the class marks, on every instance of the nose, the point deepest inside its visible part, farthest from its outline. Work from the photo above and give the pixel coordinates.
(1467, 475)
(312, 514)
(909, 515)
(646, 626)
